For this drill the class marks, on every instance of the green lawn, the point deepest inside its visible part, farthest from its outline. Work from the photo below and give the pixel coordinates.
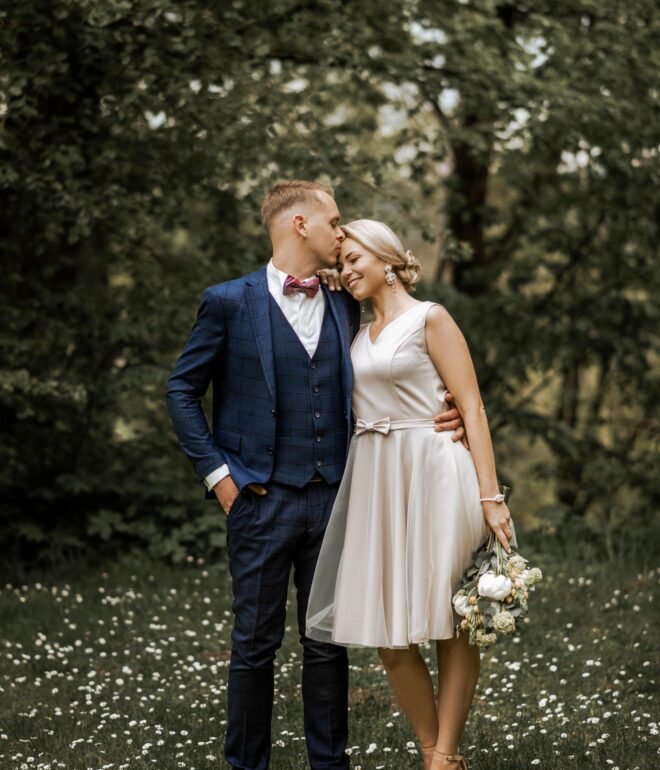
(125, 667)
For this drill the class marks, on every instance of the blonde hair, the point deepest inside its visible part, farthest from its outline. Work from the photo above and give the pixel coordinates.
(283, 195)
(382, 242)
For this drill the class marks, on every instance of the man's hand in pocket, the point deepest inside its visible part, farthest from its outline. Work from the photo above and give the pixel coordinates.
(226, 492)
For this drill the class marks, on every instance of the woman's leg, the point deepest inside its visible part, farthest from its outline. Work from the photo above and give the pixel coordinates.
(413, 688)
(458, 673)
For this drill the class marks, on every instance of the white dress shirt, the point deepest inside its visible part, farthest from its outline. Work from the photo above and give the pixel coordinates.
(305, 314)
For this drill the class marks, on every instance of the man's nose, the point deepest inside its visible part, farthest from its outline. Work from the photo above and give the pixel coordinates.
(341, 235)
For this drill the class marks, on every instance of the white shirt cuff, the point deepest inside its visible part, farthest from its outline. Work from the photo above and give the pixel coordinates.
(217, 475)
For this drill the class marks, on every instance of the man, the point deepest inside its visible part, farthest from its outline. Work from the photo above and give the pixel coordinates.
(275, 345)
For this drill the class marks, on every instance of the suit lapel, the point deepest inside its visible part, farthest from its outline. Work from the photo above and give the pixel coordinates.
(258, 303)
(257, 298)
(340, 319)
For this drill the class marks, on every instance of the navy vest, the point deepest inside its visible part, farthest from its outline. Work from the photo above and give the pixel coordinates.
(311, 434)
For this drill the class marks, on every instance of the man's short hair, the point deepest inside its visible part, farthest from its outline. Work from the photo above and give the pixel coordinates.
(284, 195)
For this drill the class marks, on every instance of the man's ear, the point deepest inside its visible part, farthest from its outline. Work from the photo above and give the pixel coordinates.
(300, 225)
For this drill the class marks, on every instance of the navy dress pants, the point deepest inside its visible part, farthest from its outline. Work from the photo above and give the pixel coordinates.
(266, 537)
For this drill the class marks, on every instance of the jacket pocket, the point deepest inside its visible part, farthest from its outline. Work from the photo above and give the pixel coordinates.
(227, 439)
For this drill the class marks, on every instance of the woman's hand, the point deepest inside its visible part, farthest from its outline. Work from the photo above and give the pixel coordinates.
(330, 277)
(498, 518)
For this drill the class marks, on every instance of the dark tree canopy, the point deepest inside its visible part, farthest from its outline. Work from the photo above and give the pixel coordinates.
(137, 138)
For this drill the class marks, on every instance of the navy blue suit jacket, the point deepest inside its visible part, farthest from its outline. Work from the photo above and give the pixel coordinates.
(231, 348)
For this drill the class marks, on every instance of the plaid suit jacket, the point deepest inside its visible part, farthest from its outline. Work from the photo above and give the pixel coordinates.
(231, 349)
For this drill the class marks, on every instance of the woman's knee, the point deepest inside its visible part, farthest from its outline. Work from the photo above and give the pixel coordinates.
(396, 658)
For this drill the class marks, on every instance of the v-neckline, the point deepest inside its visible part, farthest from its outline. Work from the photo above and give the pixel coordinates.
(380, 333)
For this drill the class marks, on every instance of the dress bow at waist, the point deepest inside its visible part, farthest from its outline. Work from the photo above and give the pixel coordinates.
(384, 425)
(380, 426)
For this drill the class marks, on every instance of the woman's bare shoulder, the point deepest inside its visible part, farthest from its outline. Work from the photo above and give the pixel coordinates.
(438, 315)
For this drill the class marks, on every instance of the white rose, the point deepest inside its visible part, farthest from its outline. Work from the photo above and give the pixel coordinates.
(493, 586)
(461, 605)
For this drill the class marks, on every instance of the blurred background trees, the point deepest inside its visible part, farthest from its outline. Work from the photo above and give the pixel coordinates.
(513, 145)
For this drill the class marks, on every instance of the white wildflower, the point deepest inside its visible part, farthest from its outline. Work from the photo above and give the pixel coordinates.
(517, 562)
(504, 622)
(531, 576)
(484, 639)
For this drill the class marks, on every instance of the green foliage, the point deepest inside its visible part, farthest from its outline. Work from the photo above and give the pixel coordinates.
(554, 198)
(137, 138)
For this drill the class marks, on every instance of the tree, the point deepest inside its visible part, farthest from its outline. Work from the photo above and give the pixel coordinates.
(137, 140)
(138, 137)
(551, 203)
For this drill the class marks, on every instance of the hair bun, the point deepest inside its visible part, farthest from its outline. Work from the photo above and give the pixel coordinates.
(409, 274)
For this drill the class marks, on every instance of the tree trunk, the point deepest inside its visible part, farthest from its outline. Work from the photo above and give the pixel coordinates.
(468, 191)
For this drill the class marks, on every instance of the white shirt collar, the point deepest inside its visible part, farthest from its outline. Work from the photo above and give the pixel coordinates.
(275, 274)
(279, 275)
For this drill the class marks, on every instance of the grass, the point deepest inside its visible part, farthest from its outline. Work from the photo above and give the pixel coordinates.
(124, 666)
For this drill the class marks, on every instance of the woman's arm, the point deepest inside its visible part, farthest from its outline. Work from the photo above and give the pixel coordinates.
(451, 357)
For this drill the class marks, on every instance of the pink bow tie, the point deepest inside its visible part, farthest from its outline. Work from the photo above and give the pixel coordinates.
(310, 285)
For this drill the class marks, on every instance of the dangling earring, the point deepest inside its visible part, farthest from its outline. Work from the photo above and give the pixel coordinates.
(390, 276)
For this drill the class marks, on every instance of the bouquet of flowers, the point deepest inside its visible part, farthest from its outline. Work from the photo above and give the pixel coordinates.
(494, 593)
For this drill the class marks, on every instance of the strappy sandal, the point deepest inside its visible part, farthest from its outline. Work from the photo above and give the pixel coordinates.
(456, 760)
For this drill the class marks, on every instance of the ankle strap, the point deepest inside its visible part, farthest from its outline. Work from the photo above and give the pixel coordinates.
(458, 758)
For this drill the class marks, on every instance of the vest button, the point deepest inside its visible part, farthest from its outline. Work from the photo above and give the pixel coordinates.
(273, 412)
(269, 450)
(315, 388)
(312, 365)
(318, 438)
(318, 414)
(318, 463)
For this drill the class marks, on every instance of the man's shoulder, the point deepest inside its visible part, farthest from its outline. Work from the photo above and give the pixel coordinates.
(350, 304)
(349, 308)
(232, 290)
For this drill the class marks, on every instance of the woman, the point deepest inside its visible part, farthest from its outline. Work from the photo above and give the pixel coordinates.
(413, 506)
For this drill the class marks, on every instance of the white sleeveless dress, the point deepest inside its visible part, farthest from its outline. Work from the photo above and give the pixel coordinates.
(407, 517)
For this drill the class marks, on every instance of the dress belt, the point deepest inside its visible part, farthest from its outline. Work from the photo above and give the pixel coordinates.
(384, 425)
